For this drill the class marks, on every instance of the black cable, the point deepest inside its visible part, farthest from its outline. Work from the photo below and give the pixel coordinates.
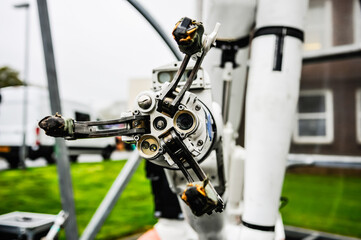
(284, 202)
(156, 27)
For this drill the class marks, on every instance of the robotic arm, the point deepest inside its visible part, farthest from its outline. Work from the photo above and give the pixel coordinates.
(176, 126)
(172, 127)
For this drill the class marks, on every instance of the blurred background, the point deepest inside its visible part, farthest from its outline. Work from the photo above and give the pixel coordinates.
(105, 52)
(99, 47)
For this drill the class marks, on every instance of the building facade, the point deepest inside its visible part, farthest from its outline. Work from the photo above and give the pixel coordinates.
(328, 120)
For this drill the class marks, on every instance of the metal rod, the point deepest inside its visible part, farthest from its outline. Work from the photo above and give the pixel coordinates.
(156, 27)
(61, 152)
(112, 197)
(180, 71)
(226, 100)
(23, 149)
(226, 96)
(190, 79)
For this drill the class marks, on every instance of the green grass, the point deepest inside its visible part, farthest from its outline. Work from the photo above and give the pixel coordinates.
(36, 190)
(329, 203)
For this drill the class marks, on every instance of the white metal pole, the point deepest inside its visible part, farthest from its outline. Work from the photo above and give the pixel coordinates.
(23, 149)
(112, 197)
(272, 95)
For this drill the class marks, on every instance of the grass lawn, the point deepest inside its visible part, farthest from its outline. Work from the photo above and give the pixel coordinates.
(36, 190)
(329, 203)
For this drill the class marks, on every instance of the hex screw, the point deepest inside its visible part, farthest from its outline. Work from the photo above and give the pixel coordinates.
(199, 143)
(197, 108)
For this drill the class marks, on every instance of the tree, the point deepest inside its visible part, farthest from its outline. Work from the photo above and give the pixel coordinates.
(9, 77)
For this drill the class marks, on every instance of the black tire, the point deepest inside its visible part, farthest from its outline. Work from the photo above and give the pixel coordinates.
(73, 158)
(13, 162)
(107, 152)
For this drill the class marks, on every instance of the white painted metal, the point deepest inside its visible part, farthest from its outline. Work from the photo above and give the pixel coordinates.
(236, 17)
(270, 107)
(252, 234)
(228, 146)
(212, 66)
(174, 229)
(308, 159)
(281, 13)
(226, 12)
(280, 229)
(208, 227)
(235, 184)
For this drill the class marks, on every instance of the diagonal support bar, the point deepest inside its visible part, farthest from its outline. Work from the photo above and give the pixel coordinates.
(112, 197)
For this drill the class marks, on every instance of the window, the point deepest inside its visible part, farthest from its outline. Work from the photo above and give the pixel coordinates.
(314, 120)
(331, 23)
(318, 27)
(358, 114)
(357, 20)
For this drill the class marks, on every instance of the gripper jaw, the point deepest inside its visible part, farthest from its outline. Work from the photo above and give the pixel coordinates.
(57, 126)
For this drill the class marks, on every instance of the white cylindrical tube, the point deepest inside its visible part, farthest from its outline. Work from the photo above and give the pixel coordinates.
(235, 186)
(281, 13)
(236, 176)
(235, 16)
(270, 107)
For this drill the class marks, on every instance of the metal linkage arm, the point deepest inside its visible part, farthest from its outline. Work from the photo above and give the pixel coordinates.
(188, 35)
(200, 196)
(166, 103)
(57, 126)
(132, 125)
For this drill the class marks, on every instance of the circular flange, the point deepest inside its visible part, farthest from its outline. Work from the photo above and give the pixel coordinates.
(148, 146)
(185, 122)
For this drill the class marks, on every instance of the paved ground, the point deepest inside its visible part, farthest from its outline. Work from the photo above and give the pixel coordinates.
(132, 237)
(292, 233)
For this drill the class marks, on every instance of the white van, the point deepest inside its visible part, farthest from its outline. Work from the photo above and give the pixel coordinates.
(38, 144)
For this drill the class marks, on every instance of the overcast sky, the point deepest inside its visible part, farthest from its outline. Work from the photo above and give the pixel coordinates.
(99, 45)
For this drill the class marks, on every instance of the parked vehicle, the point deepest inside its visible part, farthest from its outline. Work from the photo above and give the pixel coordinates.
(37, 143)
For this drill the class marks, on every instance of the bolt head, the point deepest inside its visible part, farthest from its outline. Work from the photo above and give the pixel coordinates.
(144, 101)
(160, 124)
